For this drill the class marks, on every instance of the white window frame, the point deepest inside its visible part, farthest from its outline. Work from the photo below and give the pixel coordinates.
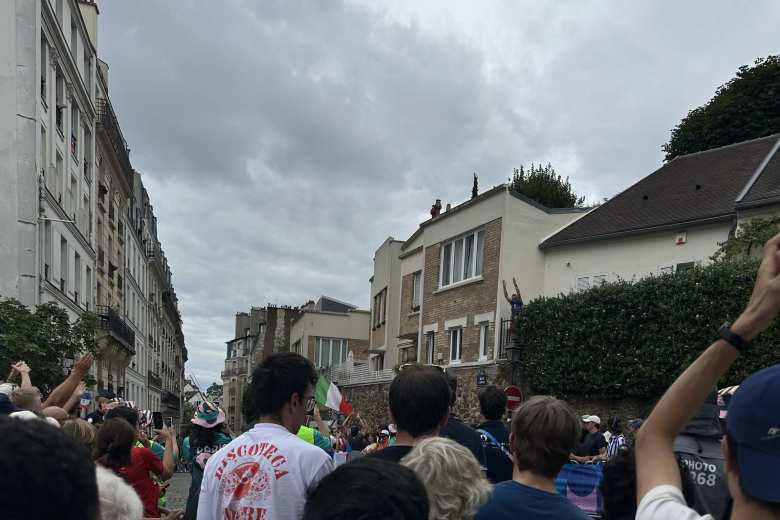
(416, 290)
(474, 262)
(666, 269)
(379, 308)
(430, 345)
(484, 334)
(583, 283)
(456, 334)
(339, 343)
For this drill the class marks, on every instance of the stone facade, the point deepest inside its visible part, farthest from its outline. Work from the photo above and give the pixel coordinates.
(466, 301)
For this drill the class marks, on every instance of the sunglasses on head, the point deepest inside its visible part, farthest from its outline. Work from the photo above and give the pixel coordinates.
(407, 365)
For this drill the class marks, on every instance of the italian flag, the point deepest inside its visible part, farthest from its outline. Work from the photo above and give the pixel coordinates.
(328, 394)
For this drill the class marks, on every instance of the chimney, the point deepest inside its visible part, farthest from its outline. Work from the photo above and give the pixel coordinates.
(448, 206)
(475, 187)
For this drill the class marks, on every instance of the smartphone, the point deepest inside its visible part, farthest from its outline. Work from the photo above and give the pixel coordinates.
(169, 422)
(157, 420)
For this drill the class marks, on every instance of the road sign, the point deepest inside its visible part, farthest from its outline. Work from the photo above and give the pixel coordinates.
(514, 396)
(482, 377)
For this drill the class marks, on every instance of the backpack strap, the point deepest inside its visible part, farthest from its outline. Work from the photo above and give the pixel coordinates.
(492, 440)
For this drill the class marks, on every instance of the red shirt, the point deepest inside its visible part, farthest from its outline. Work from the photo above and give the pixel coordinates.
(142, 461)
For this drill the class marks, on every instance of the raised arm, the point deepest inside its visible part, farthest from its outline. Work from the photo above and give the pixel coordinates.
(171, 452)
(24, 373)
(60, 395)
(656, 464)
(517, 289)
(506, 294)
(321, 426)
(76, 397)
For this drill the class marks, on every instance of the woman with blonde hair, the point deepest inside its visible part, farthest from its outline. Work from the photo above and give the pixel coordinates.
(81, 431)
(453, 478)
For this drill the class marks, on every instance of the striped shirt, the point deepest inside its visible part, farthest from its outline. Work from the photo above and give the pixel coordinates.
(615, 442)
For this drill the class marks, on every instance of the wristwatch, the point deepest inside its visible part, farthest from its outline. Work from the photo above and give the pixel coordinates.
(732, 338)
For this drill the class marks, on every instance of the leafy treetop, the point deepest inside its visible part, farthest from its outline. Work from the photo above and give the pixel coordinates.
(746, 107)
(546, 187)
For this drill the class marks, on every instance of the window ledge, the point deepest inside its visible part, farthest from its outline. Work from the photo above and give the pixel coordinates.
(462, 283)
(413, 314)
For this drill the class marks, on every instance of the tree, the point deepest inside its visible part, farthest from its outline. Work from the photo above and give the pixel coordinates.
(43, 338)
(546, 187)
(746, 107)
(748, 240)
(214, 391)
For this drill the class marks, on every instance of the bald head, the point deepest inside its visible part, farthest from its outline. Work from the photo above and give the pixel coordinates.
(55, 412)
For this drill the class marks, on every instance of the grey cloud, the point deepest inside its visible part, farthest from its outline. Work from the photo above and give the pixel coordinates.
(283, 141)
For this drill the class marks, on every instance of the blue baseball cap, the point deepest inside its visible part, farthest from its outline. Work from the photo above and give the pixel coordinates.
(754, 428)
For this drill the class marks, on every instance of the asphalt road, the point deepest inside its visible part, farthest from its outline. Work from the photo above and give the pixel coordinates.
(178, 490)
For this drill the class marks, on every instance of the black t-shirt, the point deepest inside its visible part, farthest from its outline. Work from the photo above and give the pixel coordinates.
(464, 435)
(358, 443)
(592, 444)
(499, 463)
(95, 417)
(392, 453)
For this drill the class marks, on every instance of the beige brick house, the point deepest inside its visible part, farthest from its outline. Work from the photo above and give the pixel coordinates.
(440, 298)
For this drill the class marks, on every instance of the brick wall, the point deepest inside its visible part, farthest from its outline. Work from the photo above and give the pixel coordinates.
(466, 301)
(359, 349)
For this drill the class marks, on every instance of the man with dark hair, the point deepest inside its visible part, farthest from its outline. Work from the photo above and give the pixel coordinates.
(419, 403)
(618, 486)
(368, 488)
(268, 471)
(495, 436)
(96, 417)
(459, 431)
(752, 442)
(544, 432)
(44, 474)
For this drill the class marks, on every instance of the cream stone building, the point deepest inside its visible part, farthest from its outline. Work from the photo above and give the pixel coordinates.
(331, 333)
(673, 219)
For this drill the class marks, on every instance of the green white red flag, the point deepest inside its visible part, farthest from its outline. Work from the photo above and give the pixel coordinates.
(328, 394)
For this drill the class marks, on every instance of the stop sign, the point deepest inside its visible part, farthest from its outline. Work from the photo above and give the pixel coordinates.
(513, 397)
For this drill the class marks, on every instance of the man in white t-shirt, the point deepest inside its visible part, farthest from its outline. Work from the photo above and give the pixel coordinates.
(266, 473)
(751, 447)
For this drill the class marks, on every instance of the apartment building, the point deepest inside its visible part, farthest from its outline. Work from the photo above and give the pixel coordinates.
(331, 332)
(258, 334)
(47, 159)
(68, 233)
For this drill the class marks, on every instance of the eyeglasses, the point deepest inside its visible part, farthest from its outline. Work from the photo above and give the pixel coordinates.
(407, 365)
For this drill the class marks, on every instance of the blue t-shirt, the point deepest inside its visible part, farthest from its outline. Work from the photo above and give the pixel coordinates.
(514, 501)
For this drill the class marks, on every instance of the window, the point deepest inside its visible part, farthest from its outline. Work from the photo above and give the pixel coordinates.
(429, 346)
(483, 340)
(599, 280)
(329, 352)
(47, 250)
(74, 131)
(583, 283)
(44, 155)
(63, 264)
(72, 191)
(667, 269)
(88, 73)
(378, 362)
(461, 259)
(416, 289)
(88, 288)
(60, 176)
(685, 266)
(456, 344)
(379, 308)
(297, 347)
(44, 68)
(76, 277)
(74, 38)
(60, 100)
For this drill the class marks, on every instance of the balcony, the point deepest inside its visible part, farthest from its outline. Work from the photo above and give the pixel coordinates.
(114, 325)
(154, 379)
(240, 370)
(170, 400)
(107, 120)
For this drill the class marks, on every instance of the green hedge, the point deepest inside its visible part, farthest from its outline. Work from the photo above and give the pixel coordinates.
(633, 339)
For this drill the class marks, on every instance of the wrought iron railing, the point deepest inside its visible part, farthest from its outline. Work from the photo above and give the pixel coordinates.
(110, 321)
(108, 121)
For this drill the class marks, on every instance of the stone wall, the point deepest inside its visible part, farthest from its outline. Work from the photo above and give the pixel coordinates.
(372, 400)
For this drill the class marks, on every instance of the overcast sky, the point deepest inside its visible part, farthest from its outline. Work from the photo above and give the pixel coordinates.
(282, 142)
